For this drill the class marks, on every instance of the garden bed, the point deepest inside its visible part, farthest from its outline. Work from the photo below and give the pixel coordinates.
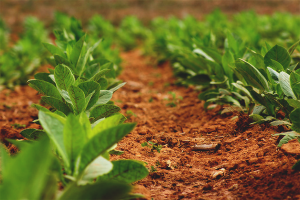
(243, 162)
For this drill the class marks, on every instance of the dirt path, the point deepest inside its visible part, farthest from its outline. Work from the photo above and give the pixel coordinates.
(246, 165)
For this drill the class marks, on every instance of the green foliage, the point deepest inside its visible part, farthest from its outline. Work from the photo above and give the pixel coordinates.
(153, 146)
(20, 61)
(78, 83)
(84, 150)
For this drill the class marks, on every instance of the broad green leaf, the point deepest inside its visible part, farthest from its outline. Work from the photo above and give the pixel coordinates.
(295, 83)
(74, 137)
(127, 171)
(45, 88)
(293, 47)
(77, 51)
(108, 190)
(63, 77)
(14, 182)
(89, 87)
(294, 103)
(105, 110)
(279, 54)
(252, 75)
(111, 73)
(57, 104)
(259, 59)
(101, 142)
(78, 99)
(39, 107)
(103, 83)
(54, 50)
(53, 125)
(62, 61)
(276, 65)
(295, 119)
(101, 73)
(107, 123)
(32, 134)
(44, 77)
(82, 61)
(227, 62)
(105, 96)
(284, 81)
(98, 167)
(117, 87)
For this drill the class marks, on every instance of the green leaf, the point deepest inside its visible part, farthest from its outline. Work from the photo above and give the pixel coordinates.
(101, 142)
(295, 83)
(199, 79)
(117, 87)
(82, 62)
(259, 59)
(54, 50)
(274, 75)
(45, 88)
(105, 110)
(74, 137)
(227, 62)
(252, 75)
(293, 47)
(44, 77)
(127, 171)
(77, 51)
(105, 96)
(294, 103)
(78, 99)
(63, 77)
(101, 73)
(295, 119)
(32, 134)
(89, 87)
(107, 123)
(276, 65)
(57, 104)
(98, 167)
(108, 190)
(14, 182)
(62, 61)
(103, 83)
(279, 54)
(284, 81)
(287, 137)
(53, 125)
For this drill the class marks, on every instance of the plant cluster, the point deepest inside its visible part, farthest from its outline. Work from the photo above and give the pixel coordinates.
(80, 130)
(20, 60)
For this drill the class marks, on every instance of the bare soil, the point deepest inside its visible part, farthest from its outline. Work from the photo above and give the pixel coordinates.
(245, 163)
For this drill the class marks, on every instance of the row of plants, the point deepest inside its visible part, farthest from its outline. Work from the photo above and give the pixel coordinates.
(70, 157)
(161, 38)
(229, 66)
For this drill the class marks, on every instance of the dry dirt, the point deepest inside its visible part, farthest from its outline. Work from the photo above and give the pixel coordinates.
(246, 163)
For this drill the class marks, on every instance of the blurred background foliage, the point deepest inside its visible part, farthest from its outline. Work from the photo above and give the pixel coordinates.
(14, 11)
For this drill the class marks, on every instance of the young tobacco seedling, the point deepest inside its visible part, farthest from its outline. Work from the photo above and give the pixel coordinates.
(153, 146)
(174, 100)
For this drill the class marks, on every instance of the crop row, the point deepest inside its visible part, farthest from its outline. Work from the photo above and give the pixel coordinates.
(243, 62)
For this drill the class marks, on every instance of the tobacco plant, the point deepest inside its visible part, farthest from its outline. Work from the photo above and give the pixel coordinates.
(78, 83)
